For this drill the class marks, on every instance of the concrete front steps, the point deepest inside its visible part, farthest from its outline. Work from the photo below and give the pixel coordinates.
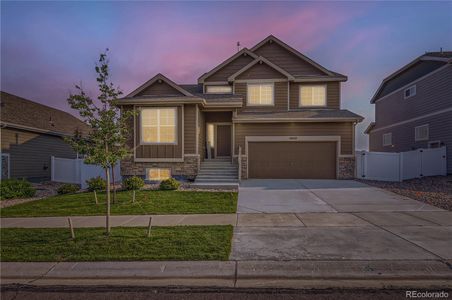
(219, 173)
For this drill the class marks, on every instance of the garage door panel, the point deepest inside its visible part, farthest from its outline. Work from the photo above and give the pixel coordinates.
(292, 160)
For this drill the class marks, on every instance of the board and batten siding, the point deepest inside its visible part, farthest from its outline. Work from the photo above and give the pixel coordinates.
(433, 93)
(159, 151)
(333, 94)
(202, 134)
(159, 89)
(190, 129)
(229, 69)
(30, 152)
(287, 60)
(440, 129)
(280, 98)
(343, 129)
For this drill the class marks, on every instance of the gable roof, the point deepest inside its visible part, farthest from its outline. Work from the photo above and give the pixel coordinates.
(369, 128)
(272, 38)
(416, 69)
(258, 60)
(163, 78)
(224, 63)
(18, 112)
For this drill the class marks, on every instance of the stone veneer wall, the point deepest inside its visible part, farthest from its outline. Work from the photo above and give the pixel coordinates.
(346, 168)
(187, 169)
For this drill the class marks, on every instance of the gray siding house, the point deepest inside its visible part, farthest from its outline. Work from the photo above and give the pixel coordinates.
(413, 107)
(30, 134)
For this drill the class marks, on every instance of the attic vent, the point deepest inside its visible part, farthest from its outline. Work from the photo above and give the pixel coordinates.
(159, 81)
(270, 41)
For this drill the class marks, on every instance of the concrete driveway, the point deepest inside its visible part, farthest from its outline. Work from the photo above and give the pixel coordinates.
(300, 196)
(281, 220)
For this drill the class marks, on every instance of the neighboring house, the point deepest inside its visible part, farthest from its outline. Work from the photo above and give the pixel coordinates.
(413, 107)
(278, 107)
(30, 134)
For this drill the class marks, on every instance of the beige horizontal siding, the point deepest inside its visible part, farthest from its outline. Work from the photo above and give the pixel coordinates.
(344, 130)
(229, 69)
(30, 152)
(440, 129)
(433, 93)
(287, 60)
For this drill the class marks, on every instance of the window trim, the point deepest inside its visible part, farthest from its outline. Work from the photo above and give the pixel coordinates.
(260, 105)
(209, 86)
(311, 85)
(383, 137)
(176, 125)
(159, 178)
(409, 88)
(416, 139)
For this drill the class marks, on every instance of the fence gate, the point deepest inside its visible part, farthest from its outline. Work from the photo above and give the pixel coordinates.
(387, 166)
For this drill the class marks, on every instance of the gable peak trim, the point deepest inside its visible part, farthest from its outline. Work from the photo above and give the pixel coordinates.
(162, 78)
(261, 59)
(271, 38)
(244, 51)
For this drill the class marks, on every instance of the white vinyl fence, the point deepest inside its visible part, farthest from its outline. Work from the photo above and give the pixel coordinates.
(388, 166)
(76, 171)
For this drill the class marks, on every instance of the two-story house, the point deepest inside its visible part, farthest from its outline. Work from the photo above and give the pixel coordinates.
(269, 109)
(413, 107)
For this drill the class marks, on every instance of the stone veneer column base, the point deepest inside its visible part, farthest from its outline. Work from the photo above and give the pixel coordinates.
(346, 168)
(187, 169)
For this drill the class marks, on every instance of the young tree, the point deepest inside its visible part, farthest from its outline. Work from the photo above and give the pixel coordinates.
(105, 144)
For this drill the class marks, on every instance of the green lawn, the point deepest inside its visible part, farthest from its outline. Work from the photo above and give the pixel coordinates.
(147, 202)
(131, 243)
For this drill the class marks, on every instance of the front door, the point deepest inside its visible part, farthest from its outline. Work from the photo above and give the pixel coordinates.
(223, 140)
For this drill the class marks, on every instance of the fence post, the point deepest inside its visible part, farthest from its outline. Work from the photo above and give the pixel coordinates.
(364, 164)
(52, 168)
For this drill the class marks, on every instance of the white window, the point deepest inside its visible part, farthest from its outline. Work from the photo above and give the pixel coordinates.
(410, 92)
(312, 95)
(218, 89)
(421, 133)
(158, 125)
(157, 174)
(260, 94)
(387, 139)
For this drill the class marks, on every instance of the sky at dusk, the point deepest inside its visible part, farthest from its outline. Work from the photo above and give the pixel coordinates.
(47, 47)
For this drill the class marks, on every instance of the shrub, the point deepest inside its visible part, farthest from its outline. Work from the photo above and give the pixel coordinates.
(68, 188)
(96, 184)
(16, 188)
(133, 183)
(169, 184)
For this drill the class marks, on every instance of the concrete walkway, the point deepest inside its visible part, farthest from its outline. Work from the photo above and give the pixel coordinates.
(125, 221)
(305, 195)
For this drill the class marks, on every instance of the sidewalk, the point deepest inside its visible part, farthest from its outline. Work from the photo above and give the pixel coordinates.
(126, 221)
(239, 274)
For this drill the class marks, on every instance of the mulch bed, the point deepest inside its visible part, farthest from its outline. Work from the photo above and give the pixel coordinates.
(435, 190)
(43, 190)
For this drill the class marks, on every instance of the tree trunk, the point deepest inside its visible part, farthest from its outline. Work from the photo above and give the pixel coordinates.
(133, 197)
(95, 197)
(113, 180)
(107, 175)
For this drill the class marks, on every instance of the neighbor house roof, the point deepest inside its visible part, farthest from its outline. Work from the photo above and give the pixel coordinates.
(369, 128)
(419, 67)
(308, 115)
(21, 113)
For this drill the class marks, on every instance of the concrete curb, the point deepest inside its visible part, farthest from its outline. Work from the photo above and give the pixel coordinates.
(240, 274)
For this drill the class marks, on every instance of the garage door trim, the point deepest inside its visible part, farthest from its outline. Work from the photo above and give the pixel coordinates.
(299, 138)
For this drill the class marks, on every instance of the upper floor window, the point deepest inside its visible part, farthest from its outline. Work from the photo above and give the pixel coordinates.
(312, 95)
(158, 125)
(387, 139)
(260, 94)
(218, 89)
(421, 133)
(410, 92)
